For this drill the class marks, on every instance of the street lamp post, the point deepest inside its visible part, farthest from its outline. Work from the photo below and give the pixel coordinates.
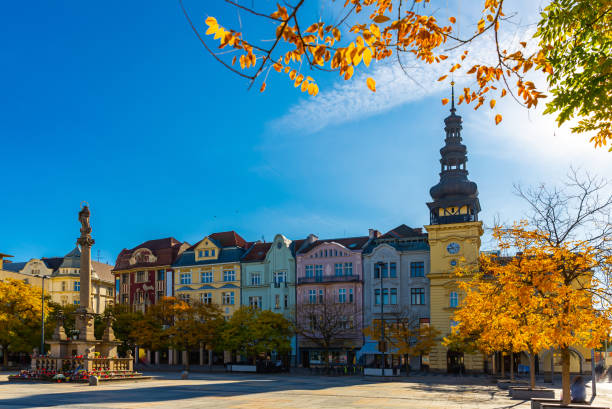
(42, 304)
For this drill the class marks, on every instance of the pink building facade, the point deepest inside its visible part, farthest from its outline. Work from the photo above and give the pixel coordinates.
(330, 300)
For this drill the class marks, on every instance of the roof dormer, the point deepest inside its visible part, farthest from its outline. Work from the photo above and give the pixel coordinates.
(206, 250)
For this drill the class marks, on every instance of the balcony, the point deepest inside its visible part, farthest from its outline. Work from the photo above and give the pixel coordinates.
(328, 279)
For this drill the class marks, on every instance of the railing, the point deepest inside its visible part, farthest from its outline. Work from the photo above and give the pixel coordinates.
(327, 279)
(46, 364)
(160, 285)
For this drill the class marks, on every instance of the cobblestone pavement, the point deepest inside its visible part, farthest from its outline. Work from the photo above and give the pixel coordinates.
(218, 391)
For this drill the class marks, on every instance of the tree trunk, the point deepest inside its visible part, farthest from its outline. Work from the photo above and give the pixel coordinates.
(531, 369)
(327, 361)
(565, 375)
(493, 368)
(511, 366)
(5, 356)
(407, 358)
(503, 370)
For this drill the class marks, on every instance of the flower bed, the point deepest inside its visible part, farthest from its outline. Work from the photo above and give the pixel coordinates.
(69, 376)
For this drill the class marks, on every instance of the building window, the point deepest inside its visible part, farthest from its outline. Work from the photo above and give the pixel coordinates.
(125, 278)
(277, 301)
(280, 277)
(338, 269)
(312, 296)
(160, 295)
(350, 295)
(139, 297)
(125, 299)
(385, 296)
(160, 275)
(63, 286)
(309, 271)
(454, 299)
(319, 270)
(228, 298)
(286, 301)
(417, 269)
(392, 270)
(205, 253)
(255, 279)
(376, 270)
(320, 296)
(212, 253)
(76, 302)
(394, 296)
(348, 269)
(453, 324)
(185, 278)
(342, 295)
(200, 253)
(77, 286)
(184, 297)
(229, 275)
(206, 298)
(417, 296)
(377, 297)
(206, 277)
(255, 302)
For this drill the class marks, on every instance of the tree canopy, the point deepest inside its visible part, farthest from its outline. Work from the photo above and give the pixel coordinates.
(571, 47)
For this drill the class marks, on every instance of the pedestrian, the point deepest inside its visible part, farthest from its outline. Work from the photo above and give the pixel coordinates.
(578, 390)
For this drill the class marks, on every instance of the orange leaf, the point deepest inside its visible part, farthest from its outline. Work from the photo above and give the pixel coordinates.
(263, 87)
(371, 84)
(498, 119)
(381, 18)
(503, 93)
(442, 78)
(444, 101)
(492, 103)
(453, 20)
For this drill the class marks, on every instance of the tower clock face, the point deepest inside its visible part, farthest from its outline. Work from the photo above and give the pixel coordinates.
(453, 248)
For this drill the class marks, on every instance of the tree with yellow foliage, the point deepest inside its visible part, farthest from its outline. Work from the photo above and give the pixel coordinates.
(405, 334)
(571, 46)
(545, 296)
(20, 317)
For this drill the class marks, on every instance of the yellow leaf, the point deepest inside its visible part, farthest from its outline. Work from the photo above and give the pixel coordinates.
(492, 103)
(367, 57)
(452, 20)
(444, 101)
(263, 87)
(481, 25)
(211, 21)
(442, 78)
(498, 119)
(304, 86)
(371, 84)
(212, 29)
(381, 18)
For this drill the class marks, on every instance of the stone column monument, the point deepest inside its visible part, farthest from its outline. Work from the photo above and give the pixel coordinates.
(85, 312)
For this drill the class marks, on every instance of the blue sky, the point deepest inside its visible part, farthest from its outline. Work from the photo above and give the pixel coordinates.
(117, 104)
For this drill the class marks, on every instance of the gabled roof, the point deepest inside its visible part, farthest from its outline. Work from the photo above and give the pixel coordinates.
(257, 252)
(224, 239)
(104, 271)
(226, 255)
(403, 231)
(351, 243)
(166, 251)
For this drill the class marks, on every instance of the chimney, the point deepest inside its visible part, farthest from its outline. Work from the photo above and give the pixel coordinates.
(373, 233)
(311, 238)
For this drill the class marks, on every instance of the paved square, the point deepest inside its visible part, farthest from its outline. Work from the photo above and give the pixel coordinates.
(166, 390)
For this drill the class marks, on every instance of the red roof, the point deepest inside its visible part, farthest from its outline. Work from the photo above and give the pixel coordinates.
(165, 250)
(226, 239)
(257, 252)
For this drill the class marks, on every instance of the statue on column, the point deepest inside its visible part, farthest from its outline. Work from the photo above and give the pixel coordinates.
(84, 220)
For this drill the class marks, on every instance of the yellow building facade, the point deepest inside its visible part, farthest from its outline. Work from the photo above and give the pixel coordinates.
(210, 271)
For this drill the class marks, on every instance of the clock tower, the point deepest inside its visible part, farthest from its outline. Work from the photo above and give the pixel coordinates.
(454, 240)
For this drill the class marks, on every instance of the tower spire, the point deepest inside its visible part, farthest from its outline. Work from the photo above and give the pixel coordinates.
(453, 97)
